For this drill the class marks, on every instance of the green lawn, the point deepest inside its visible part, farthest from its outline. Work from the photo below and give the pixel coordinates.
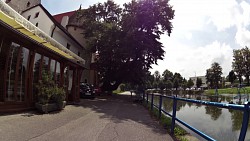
(228, 91)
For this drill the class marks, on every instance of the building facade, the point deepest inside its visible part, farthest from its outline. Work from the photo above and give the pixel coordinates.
(21, 5)
(26, 51)
(72, 22)
(204, 81)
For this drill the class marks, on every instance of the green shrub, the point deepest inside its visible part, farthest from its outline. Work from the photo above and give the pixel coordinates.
(48, 91)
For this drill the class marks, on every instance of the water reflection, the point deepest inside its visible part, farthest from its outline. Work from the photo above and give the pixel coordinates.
(221, 124)
(214, 112)
(237, 118)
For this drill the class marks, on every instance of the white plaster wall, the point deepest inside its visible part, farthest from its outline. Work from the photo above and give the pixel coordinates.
(44, 22)
(77, 33)
(63, 39)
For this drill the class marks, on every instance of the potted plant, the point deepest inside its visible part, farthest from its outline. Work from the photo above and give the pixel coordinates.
(50, 96)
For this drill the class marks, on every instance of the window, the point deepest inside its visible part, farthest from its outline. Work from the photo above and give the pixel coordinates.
(7, 1)
(79, 53)
(28, 17)
(28, 4)
(11, 71)
(17, 66)
(58, 71)
(36, 24)
(45, 64)
(21, 70)
(3, 54)
(68, 46)
(36, 15)
(36, 74)
(52, 68)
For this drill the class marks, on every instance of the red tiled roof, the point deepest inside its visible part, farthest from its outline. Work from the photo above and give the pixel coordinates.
(59, 17)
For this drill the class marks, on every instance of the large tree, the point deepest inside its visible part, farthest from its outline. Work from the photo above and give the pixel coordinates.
(167, 75)
(213, 75)
(246, 62)
(238, 65)
(231, 77)
(177, 80)
(127, 38)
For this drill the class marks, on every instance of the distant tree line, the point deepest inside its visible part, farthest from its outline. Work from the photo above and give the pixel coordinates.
(240, 70)
(168, 80)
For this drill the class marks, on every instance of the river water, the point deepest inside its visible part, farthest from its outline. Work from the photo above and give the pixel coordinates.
(219, 123)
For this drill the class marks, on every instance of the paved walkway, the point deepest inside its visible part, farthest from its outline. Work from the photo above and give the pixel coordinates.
(114, 118)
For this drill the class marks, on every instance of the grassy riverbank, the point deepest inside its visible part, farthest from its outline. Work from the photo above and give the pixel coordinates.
(228, 91)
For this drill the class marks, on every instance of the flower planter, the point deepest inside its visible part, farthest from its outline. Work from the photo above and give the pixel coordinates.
(46, 108)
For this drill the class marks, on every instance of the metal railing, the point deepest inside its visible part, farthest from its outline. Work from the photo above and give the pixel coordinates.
(244, 108)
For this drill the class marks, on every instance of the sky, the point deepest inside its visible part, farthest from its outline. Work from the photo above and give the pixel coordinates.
(204, 31)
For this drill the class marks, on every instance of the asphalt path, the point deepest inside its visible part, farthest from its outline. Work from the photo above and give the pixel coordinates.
(105, 118)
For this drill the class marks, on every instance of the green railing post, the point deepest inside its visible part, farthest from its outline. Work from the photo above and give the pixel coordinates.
(173, 115)
(152, 102)
(160, 104)
(245, 121)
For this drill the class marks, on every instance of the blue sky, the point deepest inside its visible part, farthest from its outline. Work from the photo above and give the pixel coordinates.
(204, 31)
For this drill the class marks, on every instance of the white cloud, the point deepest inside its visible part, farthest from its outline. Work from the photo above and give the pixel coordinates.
(189, 58)
(188, 35)
(243, 37)
(189, 61)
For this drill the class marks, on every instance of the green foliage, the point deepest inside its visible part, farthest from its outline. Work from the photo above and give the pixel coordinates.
(167, 75)
(190, 83)
(231, 76)
(48, 90)
(179, 131)
(227, 91)
(127, 38)
(213, 75)
(238, 64)
(198, 82)
(161, 85)
(241, 63)
(169, 85)
(176, 83)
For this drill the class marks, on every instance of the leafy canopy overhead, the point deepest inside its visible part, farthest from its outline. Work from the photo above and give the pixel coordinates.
(126, 38)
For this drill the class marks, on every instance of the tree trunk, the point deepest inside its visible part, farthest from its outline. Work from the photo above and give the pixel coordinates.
(247, 77)
(240, 79)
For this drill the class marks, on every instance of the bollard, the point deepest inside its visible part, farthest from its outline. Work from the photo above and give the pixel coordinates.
(245, 121)
(160, 104)
(152, 102)
(173, 115)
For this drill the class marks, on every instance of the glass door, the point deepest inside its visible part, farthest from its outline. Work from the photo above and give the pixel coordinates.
(16, 73)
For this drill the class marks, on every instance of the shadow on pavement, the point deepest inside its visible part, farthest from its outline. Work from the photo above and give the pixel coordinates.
(121, 108)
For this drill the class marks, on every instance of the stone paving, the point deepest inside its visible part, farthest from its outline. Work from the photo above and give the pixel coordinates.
(109, 118)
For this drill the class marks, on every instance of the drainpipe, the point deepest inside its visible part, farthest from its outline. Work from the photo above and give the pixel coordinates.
(52, 32)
